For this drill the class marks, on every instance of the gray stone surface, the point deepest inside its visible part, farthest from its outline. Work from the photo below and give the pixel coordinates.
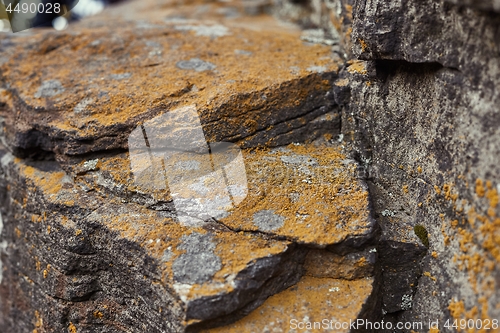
(198, 264)
(267, 220)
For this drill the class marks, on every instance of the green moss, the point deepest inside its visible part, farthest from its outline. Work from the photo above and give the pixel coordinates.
(422, 233)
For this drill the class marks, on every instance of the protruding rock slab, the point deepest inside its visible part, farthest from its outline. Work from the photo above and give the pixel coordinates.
(187, 266)
(306, 193)
(313, 304)
(91, 85)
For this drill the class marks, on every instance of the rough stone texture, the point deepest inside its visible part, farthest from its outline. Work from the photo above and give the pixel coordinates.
(426, 116)
(421, 112)
(99, 81)
(172, 271)
(111, 142)
(309, 304)
(408, 88)
(305, 193)
(488, 5)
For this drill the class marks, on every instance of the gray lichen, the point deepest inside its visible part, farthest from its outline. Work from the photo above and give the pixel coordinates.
(199, 263)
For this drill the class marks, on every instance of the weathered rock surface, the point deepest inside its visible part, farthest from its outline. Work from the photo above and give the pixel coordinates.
(314, 304)
(88, 88)
(76, 247)
(410, 86)
(421, 110)
(141, 186)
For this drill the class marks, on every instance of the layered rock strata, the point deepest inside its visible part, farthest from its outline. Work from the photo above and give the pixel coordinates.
(171, 174)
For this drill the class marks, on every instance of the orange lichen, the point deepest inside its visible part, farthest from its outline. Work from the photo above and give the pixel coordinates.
(98, 314)
(148, 229)
(447, 193)
(492, 196)
(479, 242)
(348, 33)
(72, 328)
(237, 81)
(480, 191)
(428, 274)
(437, 189)
(363, 44)
(311, 298)
(329, 194)
(465, 240)
(38, 322)
(342, 82)
(456, 308)
(357, 66)
(458, 312)
(50, 185)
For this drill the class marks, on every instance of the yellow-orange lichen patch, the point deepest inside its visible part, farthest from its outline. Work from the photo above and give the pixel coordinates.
(38, 322)
(51, 184)
(357, 67)
(244, 69)
(479, 243)
(98, 314)
(461, 315)
(437, 189)
(492, 196)
(447, 193)
(429, 275)
(342, 82)
(229, 249)
(162, 238)
(72, 328)
(363, 44)
(303, 192)
(307, 303)
(480, 190)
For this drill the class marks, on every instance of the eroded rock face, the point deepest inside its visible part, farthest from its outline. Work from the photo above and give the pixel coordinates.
(431, 125)
(168, 174)
(423, 116)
